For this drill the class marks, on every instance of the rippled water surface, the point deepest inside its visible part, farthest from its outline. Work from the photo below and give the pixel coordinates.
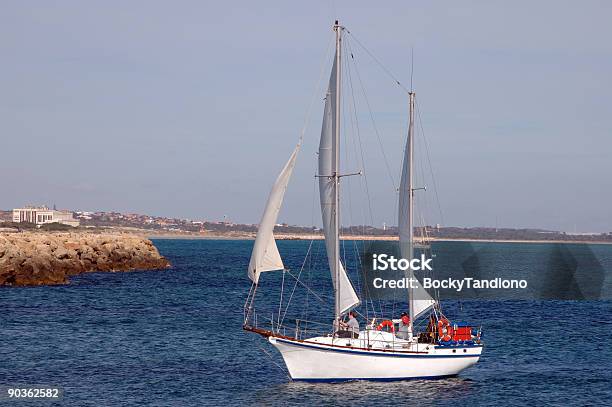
(174, 337)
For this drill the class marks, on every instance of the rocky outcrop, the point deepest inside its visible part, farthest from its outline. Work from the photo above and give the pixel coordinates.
(34, 258)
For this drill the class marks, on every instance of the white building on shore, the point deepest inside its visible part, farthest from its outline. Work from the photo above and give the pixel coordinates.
(41, 215)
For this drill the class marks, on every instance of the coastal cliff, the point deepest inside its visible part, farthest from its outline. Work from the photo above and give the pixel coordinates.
(34, 258)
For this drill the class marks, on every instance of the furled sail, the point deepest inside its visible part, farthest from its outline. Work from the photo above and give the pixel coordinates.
(421, 300)
(265, 255)
(327, 190)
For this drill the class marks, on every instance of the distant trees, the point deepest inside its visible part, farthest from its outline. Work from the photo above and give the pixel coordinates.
(18, 225)
(49, 227)
(56, 227)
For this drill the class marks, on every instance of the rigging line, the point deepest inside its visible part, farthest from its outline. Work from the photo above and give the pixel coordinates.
(246, 308)
(380, 143)
(296, 283)
(346, 154)
(365, 177)
(359, 152)
(317, 89)
(422, 200)
(355, 130)
(348, 180)
(312, 209)
(433, 178)
(424, 235)
(304, 312)
(308, 258)
(306, 120)
(285, 372)
(387, 71)
(312, 261)
(280, 302)
(404, 144)
(345, 137)
(306, 287)
(425, 198)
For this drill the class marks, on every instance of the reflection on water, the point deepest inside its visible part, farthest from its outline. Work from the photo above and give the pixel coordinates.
(422, 392)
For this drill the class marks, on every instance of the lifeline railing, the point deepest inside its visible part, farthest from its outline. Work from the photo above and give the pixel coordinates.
(304, 329)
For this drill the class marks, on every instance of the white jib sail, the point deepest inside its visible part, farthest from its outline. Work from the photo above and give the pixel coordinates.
(421, 300)
(348, 297)
(265, 255)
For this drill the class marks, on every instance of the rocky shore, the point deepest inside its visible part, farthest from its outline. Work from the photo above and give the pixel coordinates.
(35, 258)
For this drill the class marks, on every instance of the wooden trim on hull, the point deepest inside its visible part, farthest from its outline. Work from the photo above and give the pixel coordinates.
(263, 332)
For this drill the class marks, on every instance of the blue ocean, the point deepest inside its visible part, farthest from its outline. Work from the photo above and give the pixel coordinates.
(175, 338)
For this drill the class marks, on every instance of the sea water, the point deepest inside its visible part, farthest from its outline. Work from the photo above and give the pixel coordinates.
(174, 338)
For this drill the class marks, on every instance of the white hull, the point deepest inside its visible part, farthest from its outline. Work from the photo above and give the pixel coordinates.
(311, 361)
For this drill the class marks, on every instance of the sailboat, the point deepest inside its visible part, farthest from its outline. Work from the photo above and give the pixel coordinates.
(443, 350)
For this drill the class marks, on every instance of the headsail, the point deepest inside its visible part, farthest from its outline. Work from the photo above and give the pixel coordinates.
(419, 298)
(327, 191)
(265, 255)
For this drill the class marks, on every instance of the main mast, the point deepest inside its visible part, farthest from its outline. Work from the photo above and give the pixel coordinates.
(336, 174)
(410, 155)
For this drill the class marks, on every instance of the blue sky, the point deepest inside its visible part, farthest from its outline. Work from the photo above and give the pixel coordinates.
(189, 109)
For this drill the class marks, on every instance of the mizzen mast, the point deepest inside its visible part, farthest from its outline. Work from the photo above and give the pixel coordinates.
(410, 156)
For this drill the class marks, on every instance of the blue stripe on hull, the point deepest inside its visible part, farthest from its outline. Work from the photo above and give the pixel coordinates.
(374, 353)
(384, 379)
(457, 346)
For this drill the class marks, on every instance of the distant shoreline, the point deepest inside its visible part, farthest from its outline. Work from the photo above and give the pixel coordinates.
(361, 237)
(280, 235)
(173, 228)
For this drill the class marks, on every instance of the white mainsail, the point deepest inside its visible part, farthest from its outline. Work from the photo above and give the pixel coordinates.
(327, 191)
(419, 298)
(265, 255)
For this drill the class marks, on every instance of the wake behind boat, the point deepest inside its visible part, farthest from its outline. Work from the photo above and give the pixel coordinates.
(389, 348)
